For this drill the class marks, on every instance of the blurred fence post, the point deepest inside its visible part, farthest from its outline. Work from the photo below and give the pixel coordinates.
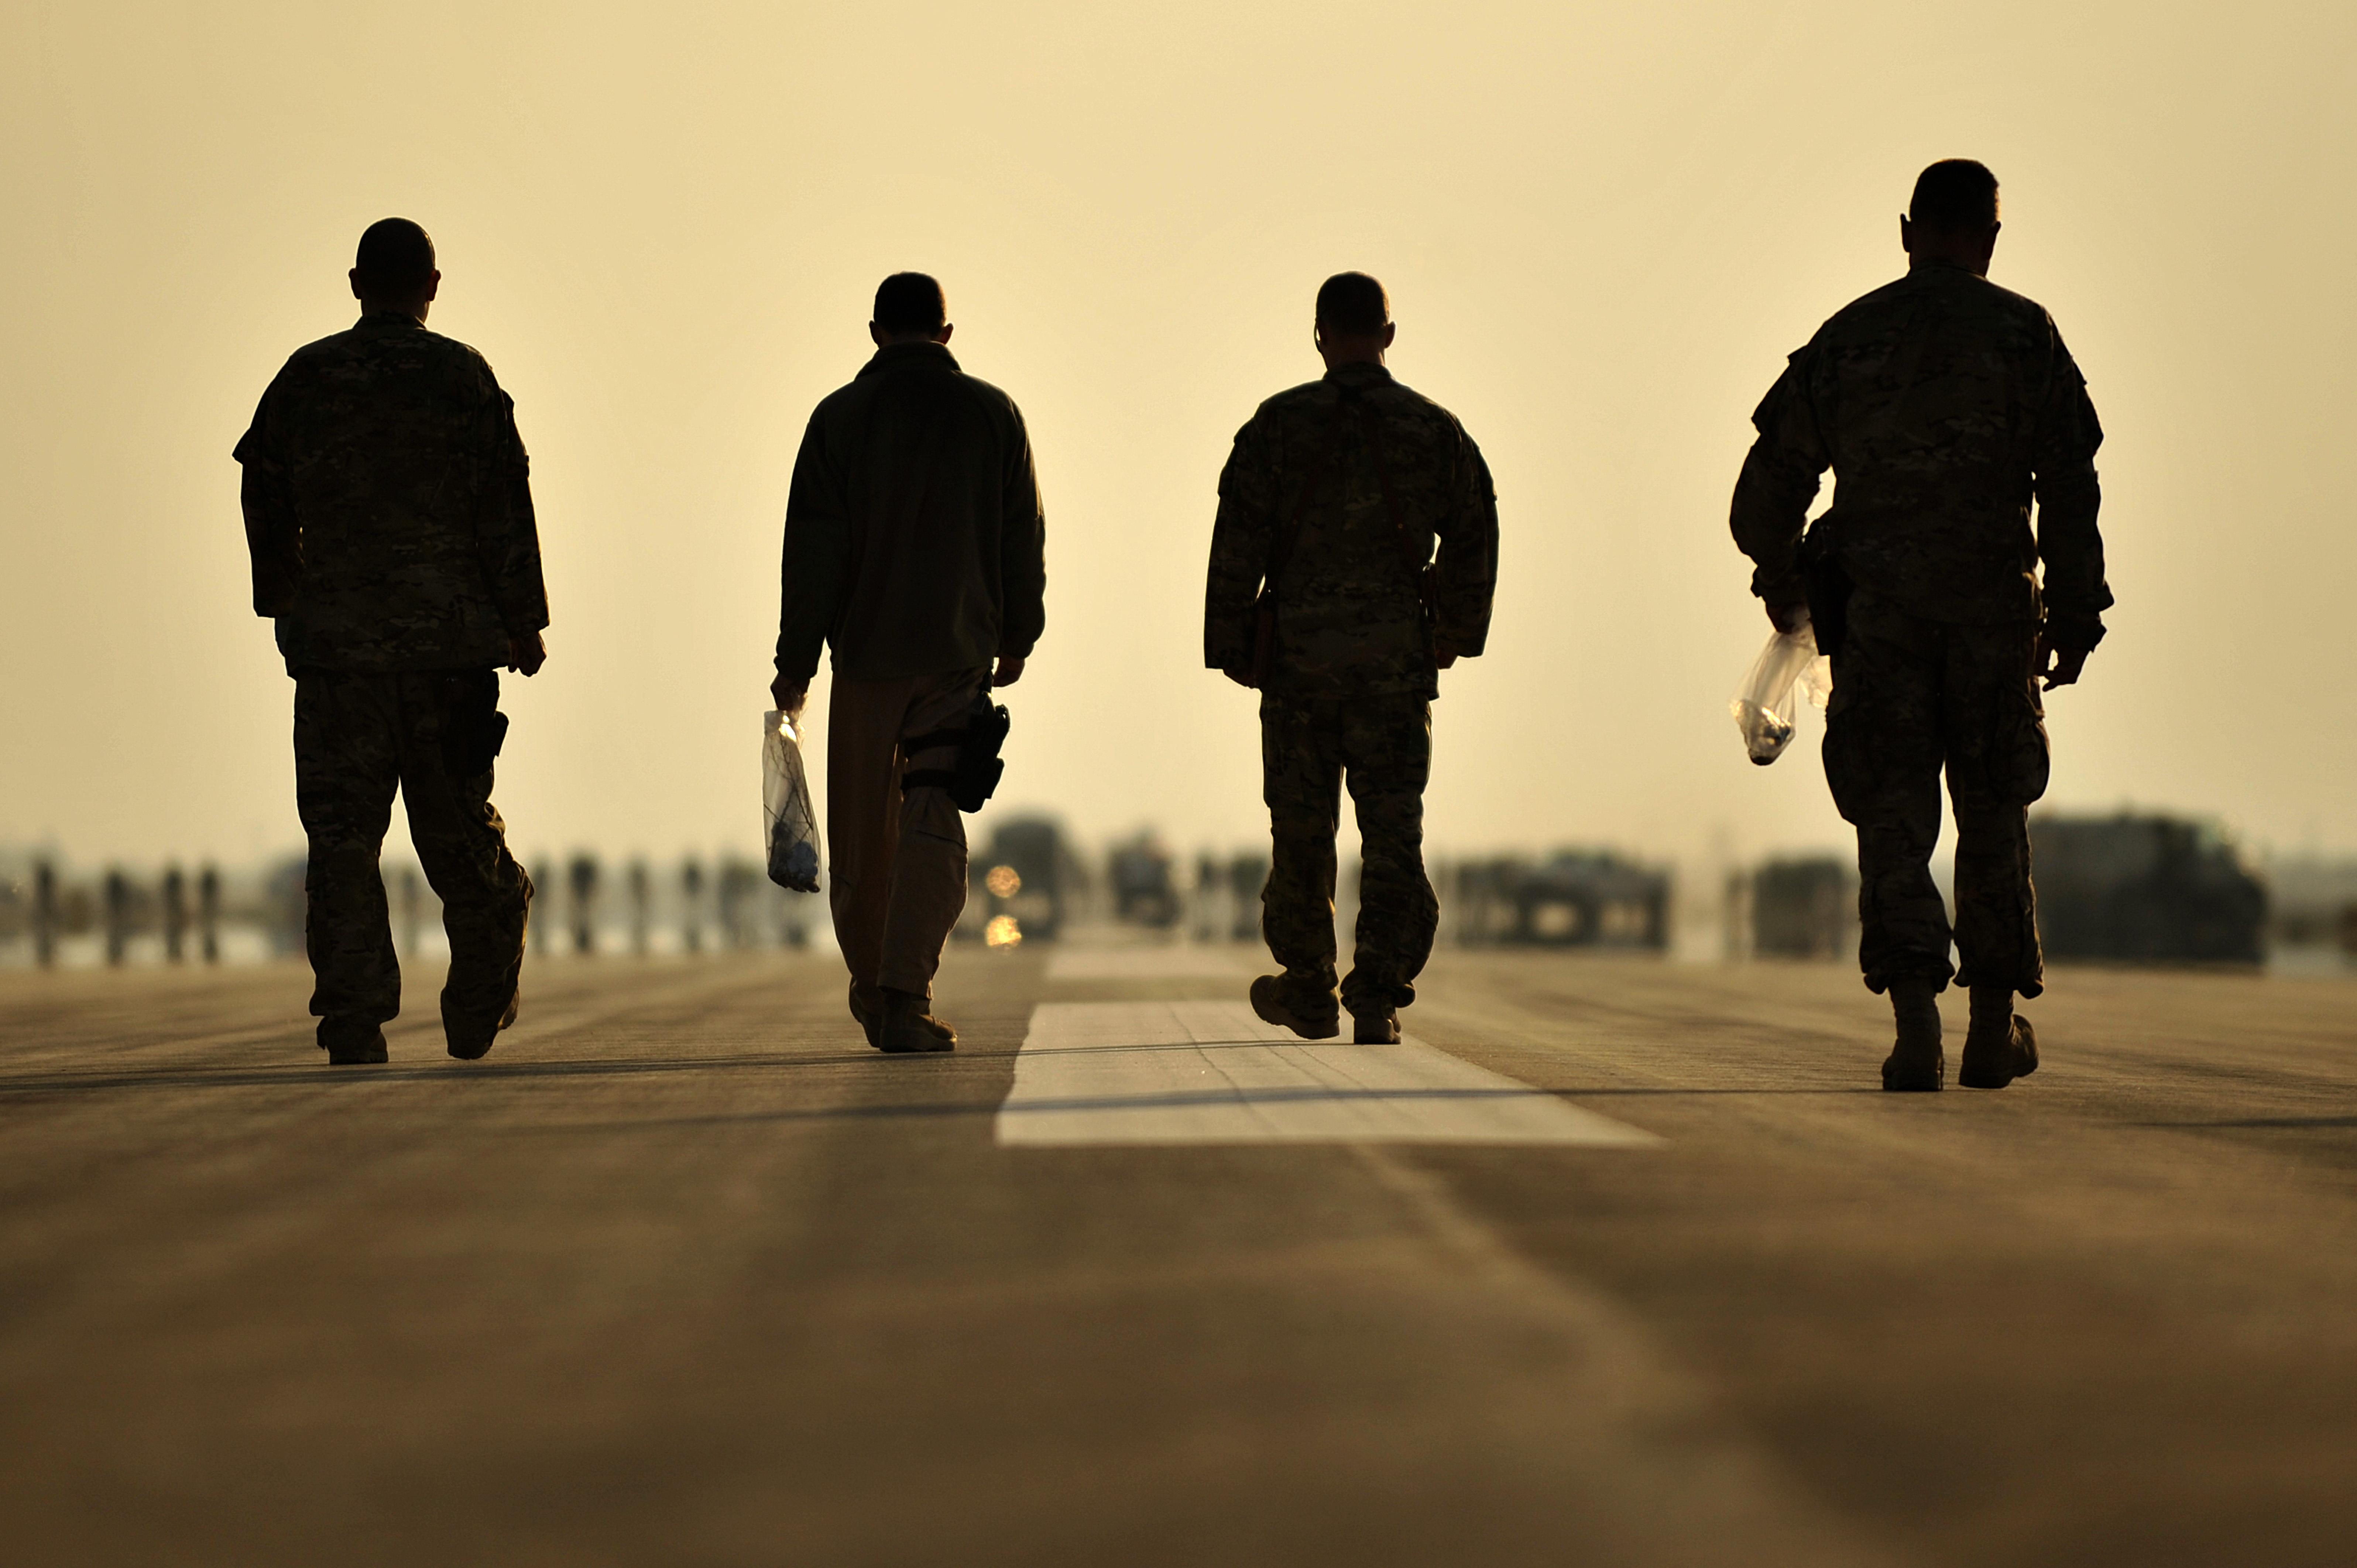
(44, 914)
(209, 913)
(691, 906)
(118, 915)
(412, 904)
(583, 876)
(639, 900)
(175, 914)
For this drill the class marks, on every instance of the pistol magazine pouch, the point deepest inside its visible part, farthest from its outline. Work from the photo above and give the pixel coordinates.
(473, 729)
(979, 767)
(1827, 584)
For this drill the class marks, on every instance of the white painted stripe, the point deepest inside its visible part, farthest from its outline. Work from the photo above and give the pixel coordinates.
(1176, 961)
(1212, 1073)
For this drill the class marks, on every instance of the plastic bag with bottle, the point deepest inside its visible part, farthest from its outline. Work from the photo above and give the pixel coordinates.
(1767, 708)
(791, 824)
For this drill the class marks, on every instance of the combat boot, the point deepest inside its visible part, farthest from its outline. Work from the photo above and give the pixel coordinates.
(1376, 1028)
(1300, 1005)
(1916, 1062)
(1998, 1043)
(869, 1010)
(472, 1043)
(352, 1042)
(906, 1025)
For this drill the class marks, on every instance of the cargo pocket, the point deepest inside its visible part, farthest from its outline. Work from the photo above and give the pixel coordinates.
(1847, 751)
(2024, 759)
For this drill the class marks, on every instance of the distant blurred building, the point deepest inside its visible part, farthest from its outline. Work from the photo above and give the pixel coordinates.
(1575, 898)
(1803, 906)
(2144, 889)
(2312, 904)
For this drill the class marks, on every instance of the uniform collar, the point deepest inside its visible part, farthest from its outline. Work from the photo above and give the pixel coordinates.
(908, 354)
(1360, 373)
(389, 321)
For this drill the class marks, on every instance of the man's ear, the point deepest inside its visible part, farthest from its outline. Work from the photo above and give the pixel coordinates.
(875, 335)
(433, 287)
(1906, 235)
(943, 335)
(1390, 331)
(355, 276)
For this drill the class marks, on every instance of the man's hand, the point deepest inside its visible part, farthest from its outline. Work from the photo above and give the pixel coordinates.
(790, 695)
(1442, 654)
(2059, 666)
(1009, 671)
(527, 653)
(1789, 619)
(1240, 675)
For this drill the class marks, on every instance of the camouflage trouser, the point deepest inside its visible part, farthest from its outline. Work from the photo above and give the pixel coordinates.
(357, 737)
(1384, 744)
(1910, 696)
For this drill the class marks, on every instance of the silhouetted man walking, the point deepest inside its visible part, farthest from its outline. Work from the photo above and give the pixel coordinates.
(1325, 592)
(1944, 405)
(915, 547)
(388, 514)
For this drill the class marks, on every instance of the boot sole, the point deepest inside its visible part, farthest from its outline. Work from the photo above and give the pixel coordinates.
(1973, 1071)
(507, 1020)
(1286, 1020)
(1913, 1079)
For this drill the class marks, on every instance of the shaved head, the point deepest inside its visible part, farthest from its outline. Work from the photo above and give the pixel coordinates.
(1354, 304)
(397, 256)
(1955, 196)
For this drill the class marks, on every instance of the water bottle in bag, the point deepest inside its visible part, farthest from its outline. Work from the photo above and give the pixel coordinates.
(1767, 706)
(792, 826)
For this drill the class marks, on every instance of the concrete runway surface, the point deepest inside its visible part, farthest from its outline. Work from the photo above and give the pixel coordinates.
(1613, 1262)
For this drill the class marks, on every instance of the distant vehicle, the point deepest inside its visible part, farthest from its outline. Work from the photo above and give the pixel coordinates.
(1806, 906)
(1024, 886)
(1575, 898)
(1144, 893)
(2144, 889)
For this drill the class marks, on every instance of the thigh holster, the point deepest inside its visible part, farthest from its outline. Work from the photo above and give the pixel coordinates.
(979, 767)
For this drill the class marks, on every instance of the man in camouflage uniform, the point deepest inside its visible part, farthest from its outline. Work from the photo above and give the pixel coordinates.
(1326, 593)
(1944, 405)
(389, 519)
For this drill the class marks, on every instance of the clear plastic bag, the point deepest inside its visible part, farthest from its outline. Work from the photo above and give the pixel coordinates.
(1769, 702)
(792, 826)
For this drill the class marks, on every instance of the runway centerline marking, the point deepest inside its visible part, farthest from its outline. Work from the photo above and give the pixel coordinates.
(1211, 1072)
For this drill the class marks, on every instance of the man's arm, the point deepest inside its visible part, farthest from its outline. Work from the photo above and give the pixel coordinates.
(1779, 478)
(1022, 560)
(507, 535)
(812, 572)
(1465, 568)
(1240, 546)
(274, 537)
(2069, 544)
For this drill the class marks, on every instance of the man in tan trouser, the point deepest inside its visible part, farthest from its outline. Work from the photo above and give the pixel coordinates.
(915, 548)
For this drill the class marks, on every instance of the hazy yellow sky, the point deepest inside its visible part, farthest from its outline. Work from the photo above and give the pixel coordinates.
(1603, 228)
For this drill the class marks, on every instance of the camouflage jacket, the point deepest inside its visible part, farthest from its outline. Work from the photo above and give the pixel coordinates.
(387, 505)
(1350, 617)
(1944, 405)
